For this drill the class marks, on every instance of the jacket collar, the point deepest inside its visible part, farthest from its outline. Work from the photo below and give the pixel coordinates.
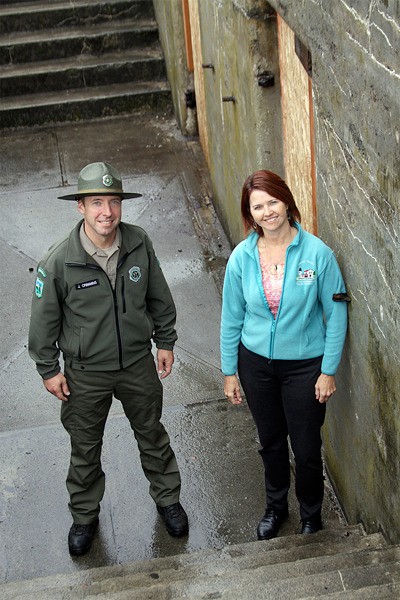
(252, 239)
(76, 254)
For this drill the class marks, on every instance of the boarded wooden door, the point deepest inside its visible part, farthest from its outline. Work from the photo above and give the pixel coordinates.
(192, 12)
(298, 123)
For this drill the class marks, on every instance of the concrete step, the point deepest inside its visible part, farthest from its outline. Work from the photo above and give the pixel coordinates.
(257, 585)
(51, 44)
(83, 71)
(69, 61)
(211, 572)
(387, 591)
(85, 103)
(31, 16)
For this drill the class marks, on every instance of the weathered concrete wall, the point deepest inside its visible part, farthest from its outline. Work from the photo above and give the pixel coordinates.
(239, 39)
(356, 91)
(169, 16)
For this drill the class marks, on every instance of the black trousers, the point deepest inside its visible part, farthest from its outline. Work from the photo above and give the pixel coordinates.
(281, 398)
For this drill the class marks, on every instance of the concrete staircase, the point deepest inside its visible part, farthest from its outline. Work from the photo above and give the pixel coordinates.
(79, 59)
(340, 564)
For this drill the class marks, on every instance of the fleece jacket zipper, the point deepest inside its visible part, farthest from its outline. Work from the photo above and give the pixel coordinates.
(273, 327)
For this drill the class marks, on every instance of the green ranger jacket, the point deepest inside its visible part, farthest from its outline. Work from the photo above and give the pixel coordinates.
(76, 311)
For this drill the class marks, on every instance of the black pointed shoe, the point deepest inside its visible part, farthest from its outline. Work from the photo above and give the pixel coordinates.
(311, 525)
(175, 519)
(80, 537)
(270, 524)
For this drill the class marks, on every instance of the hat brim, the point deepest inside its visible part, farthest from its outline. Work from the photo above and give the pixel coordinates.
(78, 195)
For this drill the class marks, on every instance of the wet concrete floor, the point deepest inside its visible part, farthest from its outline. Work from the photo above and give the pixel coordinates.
(215, 443)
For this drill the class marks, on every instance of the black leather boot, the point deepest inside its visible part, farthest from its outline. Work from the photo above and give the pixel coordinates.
(80, 537)
(175, 519)
(269, 525)
(311, 525)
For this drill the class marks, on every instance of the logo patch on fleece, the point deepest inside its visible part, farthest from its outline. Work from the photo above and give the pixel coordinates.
(306, 273)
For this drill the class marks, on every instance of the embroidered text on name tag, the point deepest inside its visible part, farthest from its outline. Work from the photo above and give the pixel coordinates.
(86, 284)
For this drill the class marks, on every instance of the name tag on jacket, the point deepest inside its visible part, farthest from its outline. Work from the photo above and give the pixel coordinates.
(87, 284)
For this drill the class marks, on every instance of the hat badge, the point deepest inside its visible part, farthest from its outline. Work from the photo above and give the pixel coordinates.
(107, 180)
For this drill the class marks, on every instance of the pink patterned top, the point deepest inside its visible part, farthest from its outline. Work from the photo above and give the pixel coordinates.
(272, 280)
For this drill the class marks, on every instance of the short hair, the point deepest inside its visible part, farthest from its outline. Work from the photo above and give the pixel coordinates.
(267, 181)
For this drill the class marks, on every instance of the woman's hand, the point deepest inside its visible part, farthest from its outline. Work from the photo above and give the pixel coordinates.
(232, 389)
(325, 387)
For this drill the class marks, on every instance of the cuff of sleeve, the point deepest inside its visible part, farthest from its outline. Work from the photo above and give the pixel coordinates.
(164, 346)
(49, 374)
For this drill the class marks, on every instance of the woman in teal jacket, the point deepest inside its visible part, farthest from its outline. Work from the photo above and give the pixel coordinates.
(283, 326)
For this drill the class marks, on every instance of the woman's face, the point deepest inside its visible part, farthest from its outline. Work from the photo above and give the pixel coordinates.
(268, 212)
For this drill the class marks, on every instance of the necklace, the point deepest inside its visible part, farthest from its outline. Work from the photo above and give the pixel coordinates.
(276, 267)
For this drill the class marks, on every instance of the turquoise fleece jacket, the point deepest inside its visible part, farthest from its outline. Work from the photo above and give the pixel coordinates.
(308, 323)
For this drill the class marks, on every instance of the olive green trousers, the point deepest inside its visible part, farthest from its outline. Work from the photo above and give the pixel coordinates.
(84, 417)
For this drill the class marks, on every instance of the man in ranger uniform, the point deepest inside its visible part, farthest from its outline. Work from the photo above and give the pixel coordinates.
(100, 298)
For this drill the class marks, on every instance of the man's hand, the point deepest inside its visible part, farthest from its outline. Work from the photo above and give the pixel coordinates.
(325, 387)
(57, 386)
(232, 389)
(165, 360)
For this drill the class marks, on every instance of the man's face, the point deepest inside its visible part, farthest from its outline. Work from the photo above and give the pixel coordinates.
(102, 215)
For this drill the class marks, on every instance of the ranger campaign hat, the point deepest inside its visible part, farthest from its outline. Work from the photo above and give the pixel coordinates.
(99, 178)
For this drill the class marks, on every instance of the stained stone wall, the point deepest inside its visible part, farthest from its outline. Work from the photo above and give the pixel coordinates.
(356, 91)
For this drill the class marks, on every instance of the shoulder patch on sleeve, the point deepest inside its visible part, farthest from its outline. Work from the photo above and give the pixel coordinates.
(39, 285)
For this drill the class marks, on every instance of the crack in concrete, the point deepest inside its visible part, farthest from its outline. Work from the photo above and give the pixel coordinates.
(205, 363)
(341, 147)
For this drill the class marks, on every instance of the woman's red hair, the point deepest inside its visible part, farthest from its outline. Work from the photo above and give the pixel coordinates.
(269, 182)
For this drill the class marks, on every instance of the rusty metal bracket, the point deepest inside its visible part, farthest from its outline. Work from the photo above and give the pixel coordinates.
(266, 79)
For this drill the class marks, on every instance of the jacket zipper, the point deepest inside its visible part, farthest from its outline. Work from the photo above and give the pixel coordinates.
(123, 294)
(115, 302)
(271, 343)
(274, 322)
(117, 325)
